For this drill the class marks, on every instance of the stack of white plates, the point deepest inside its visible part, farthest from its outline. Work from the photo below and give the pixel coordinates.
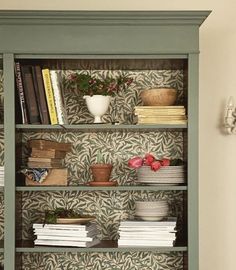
(151, 210)
(1, 176)
(165, 175)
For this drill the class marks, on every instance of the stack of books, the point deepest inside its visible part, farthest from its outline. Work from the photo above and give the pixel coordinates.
(1, 176)
(40, 95)
(45, 165)
(147, 233)
(47, 154)
(74, 235)
(161, 114)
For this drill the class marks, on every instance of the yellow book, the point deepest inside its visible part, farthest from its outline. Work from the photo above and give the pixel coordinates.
(159, 107)
(49, 96)
(163, 117)
(159, 113)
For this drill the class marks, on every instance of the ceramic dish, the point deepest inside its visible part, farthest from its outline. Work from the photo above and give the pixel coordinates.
(80, 220)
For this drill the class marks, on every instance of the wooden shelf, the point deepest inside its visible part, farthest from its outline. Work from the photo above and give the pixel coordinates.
(100, 127)
(87, 188)
(104, 246)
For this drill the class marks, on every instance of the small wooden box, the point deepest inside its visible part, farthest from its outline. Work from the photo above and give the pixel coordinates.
(56, 177)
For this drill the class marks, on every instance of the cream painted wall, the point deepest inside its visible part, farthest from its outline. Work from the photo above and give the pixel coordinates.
(217, 82)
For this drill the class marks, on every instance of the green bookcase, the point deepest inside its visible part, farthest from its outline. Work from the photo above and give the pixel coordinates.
(150, 45)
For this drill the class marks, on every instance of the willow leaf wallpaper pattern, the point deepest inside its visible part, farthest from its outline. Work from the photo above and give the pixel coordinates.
(103, 261)
(117, 147)
(109, 207)
(1, 191)
(1, 164)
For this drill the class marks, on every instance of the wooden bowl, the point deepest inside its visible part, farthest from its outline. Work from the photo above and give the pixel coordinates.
(159, 96)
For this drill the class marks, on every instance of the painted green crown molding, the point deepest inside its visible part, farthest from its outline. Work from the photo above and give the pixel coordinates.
(26, 17)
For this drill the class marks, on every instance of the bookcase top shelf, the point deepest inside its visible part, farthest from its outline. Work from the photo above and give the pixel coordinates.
(103, 17)
(177, 30)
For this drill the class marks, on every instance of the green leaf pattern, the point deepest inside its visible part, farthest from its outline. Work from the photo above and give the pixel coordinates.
(115, 147)
(109, 207)
(1, 191)
(103, 261)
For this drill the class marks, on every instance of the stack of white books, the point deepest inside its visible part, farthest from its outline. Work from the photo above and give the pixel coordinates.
(74, 235)
(1, 176)
(147, 233)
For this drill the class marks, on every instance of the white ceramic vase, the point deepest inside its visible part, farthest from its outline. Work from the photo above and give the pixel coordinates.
(97, 106)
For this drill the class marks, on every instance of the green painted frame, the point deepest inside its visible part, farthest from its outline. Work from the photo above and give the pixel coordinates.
(100, 34)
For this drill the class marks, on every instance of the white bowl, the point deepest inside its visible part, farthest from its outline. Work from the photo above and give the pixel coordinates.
(151, 204)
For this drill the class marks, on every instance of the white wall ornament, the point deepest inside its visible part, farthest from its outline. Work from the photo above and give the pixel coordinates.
(230, 118)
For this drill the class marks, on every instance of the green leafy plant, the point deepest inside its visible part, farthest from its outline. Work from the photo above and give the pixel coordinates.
(100, 158)
(52, 215)
(90, 85)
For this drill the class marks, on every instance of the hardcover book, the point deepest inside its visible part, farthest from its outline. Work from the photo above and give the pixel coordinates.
(21, 95)
(40, 94)
(49, 96)
(58, 98)
(47, 144)
(28, 86)
(50, 153)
